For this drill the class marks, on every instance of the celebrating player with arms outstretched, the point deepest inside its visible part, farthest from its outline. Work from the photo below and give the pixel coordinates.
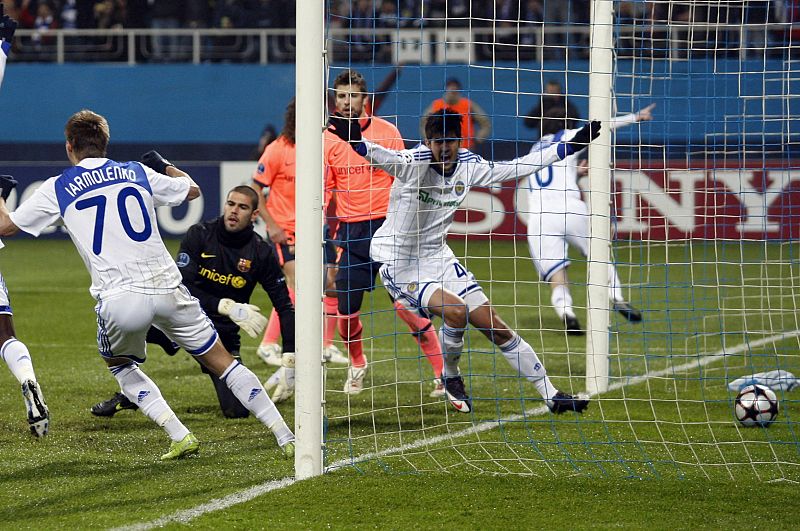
(419, 268)
(361, 194)
(558, 217)
(12, 350)
(108, 208)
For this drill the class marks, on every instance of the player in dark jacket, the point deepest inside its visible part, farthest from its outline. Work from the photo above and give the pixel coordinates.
(221, 261)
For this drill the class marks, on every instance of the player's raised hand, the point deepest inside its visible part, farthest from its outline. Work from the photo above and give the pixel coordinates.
(154, 159)
(645, 114)
(583, 137)
(7, 183)
(247, 316)
(348, 129)
(7, 26)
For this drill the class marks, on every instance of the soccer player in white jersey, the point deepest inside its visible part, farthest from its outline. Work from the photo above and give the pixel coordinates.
(558, 217)
(108, 208)
(419, 268)
(12, 350)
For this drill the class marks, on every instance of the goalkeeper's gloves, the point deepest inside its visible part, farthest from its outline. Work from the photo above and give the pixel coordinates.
(581, 139)
(349, 130)
(7, 26)
(7, 183)
(156, 161)
(282, 380)
(247, 316)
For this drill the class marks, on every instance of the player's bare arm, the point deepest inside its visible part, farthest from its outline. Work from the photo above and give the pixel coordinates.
(276, 234)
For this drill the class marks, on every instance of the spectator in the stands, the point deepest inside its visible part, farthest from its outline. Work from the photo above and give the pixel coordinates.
(110, 14)
(166, 15)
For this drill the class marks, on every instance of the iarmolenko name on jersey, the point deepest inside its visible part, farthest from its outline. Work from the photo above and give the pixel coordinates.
(100, 175)
(229, 279)
(425, 197)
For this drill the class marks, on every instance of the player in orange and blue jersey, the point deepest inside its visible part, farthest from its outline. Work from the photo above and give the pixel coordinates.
(361, 197)
(275, 177)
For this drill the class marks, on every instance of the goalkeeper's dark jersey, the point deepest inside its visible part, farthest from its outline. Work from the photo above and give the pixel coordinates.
(218, 264)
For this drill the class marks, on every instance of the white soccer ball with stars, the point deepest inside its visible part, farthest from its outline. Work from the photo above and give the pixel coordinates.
(756, 405)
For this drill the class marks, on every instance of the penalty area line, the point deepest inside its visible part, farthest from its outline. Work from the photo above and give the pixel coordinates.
(186, 515)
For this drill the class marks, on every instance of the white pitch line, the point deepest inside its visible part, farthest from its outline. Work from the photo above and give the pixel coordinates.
(236, 498)
(702, 360)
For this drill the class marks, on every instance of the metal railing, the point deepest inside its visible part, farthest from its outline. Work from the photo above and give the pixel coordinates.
(529, 41)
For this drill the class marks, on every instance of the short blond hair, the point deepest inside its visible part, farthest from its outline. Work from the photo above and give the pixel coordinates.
(88, 134)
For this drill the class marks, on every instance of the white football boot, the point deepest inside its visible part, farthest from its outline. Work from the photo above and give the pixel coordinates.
(38, 414)
(332, 354)
(355, 380)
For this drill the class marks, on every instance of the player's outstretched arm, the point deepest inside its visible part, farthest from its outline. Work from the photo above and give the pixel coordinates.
(7, 227)
(400, 164)
(498, 172)
(643, 115)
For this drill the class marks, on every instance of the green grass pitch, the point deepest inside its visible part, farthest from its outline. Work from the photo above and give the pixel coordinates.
(660, 450)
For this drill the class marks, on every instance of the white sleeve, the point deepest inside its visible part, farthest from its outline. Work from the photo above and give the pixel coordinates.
(170, 191)
(402, 165)
(487, 173)
(39, 211)
(622, 121)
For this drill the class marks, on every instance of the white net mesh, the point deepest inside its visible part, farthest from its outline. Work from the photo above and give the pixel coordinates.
(705, 223)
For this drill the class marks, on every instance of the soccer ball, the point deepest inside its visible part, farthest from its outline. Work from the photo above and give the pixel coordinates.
(756, 405)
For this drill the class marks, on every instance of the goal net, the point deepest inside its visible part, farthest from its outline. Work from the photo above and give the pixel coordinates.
(703, 225)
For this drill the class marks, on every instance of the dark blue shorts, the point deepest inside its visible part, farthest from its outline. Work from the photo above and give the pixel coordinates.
(356, 269)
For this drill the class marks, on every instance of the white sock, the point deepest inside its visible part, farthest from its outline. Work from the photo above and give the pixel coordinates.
(615, 286)
(521, 356)
(562, 301)
(246, 387)
(16, 355)
(143, 392)
(452, 340)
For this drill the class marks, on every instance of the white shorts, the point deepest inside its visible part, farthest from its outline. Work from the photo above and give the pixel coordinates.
(5, 304)
(123, 318)
(412, 282)
(550, 233)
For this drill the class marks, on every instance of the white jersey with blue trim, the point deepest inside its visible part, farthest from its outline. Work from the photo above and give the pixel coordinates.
(422, 201)
(108, 208)
(552, 188)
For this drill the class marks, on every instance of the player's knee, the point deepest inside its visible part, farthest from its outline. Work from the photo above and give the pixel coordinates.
(349, 299)
(455, 315)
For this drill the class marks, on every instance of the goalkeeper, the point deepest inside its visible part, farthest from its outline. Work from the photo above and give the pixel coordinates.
(221, 262)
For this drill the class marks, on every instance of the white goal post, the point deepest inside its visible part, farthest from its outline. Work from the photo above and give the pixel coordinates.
(310, 94)
(600, 104)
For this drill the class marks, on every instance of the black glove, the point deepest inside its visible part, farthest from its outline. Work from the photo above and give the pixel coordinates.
(348, 129)
(7, 183)
(156, 161)
(582, 138)
(7, 26)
